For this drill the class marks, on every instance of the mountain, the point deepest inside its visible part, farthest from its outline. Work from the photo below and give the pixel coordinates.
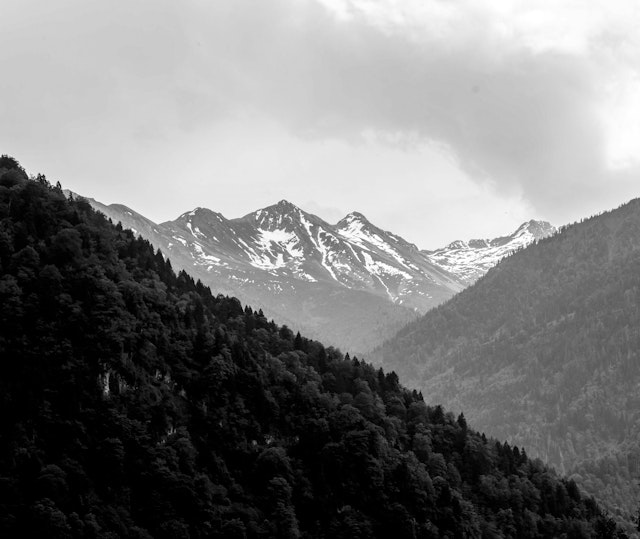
(129, 218)
(470, 260)
(285, 242)
(544, 351)
(134, 403)
(351, 284)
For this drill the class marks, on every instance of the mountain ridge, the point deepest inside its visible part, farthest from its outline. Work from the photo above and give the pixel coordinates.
(543, 350)
(292, 262)
(134, 403)
(532, 229)
(471, 259)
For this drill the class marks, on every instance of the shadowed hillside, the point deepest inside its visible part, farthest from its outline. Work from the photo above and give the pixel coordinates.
(543, 351)
(134, 403)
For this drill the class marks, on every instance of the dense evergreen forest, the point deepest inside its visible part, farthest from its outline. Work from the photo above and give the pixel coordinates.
(544, 351)
(134, 403)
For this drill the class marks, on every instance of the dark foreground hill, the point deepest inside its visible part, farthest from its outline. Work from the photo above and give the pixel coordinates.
(134, 403)
(544, 351)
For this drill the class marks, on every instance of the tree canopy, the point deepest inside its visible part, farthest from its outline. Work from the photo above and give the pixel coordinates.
(135, 403)
(543, 351)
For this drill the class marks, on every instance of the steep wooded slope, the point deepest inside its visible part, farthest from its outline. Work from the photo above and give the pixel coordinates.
(351, 284)
(544, 351)
(134, 403)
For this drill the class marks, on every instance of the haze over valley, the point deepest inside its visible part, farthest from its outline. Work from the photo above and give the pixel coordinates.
(351, 284)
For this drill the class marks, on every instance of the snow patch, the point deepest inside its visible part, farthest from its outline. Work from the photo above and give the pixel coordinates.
(356, 232)
(181, 240)
(287, 241)
(320, 247)
(195, 231)
(377, 267)
(203, 256)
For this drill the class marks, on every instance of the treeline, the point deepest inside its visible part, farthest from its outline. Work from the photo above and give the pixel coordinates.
(134, 403)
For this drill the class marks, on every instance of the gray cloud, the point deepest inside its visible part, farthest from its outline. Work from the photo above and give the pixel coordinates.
(121, 81)
(526, 121)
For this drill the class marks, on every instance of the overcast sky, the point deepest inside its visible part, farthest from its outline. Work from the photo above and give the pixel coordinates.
(437, 119)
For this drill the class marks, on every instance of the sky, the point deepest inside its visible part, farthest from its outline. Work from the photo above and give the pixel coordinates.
(437, 119)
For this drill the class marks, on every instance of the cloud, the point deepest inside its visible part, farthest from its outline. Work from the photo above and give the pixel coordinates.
(329, 214)
(516, 95)
(532, 98)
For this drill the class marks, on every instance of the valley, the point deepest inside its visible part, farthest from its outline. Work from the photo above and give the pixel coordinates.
(351, 284)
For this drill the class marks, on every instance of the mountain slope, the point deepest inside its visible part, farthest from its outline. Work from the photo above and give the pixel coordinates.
(286, 242)
(351, 284)
(135, 404)
(543, 350)
(470, 260)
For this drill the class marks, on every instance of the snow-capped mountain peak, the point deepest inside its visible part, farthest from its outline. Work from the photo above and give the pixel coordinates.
(202, 215)
(283, 207)
(458, 244)
(351, 217)
(288, 243)
(357, 228)
(537, 229)
(318, 274)
(285, 243)
(469, 260)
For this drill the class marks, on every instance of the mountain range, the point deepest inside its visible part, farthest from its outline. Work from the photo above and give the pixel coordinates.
(470, 260)
(543, 350)
(351, 284)
(135, 403)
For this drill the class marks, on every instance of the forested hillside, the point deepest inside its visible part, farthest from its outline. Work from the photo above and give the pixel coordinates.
(350, 284)
(134, 403)
(544, 351)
